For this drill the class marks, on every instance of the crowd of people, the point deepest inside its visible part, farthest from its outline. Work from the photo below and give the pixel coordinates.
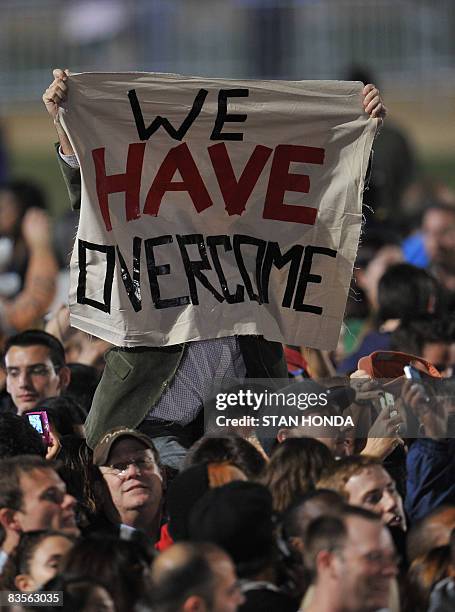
(113, 495)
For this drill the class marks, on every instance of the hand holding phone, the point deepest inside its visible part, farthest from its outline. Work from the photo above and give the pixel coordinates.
(40, 422)
(430, 411)
(412, 373)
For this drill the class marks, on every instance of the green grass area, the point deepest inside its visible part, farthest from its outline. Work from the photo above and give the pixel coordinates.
(44, 169)
(441, 168)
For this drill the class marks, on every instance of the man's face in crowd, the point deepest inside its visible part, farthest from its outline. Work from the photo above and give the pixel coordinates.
(374, 489)
(31, 376)
(45, 503)
(133, 479)
(227, 596)
(367, 564)
(439, 236)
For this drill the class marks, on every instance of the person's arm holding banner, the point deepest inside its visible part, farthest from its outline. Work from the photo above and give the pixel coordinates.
(54, 95)
(139, 376)
(126, 391)
(372, 102)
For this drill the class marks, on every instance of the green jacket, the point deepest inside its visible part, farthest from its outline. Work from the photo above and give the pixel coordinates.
(135, 378)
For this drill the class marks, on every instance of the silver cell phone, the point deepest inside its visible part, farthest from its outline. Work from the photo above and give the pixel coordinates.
(412, 373)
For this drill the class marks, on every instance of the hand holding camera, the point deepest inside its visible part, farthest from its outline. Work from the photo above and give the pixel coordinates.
(432, 412)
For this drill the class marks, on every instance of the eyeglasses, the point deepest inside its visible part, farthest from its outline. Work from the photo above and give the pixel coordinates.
(120, 469)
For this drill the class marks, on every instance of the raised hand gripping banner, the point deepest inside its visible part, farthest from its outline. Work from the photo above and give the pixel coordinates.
(212, 207)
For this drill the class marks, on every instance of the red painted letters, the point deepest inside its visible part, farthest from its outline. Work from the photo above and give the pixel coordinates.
(179, 158)
(235, 192)
(130, 182)
(281, 180)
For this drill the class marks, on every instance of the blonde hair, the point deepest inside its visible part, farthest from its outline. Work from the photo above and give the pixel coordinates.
(342, 471)
(220, 474)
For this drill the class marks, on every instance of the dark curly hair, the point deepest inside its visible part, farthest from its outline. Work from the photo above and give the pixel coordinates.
(18, 437)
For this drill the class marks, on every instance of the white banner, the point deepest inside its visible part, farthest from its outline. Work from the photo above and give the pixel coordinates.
(212, 207)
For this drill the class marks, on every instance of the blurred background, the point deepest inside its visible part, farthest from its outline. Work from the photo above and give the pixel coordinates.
(406, 46)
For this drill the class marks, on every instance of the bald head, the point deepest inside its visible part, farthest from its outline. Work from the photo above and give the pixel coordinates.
(180, 572)
(189, 577)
